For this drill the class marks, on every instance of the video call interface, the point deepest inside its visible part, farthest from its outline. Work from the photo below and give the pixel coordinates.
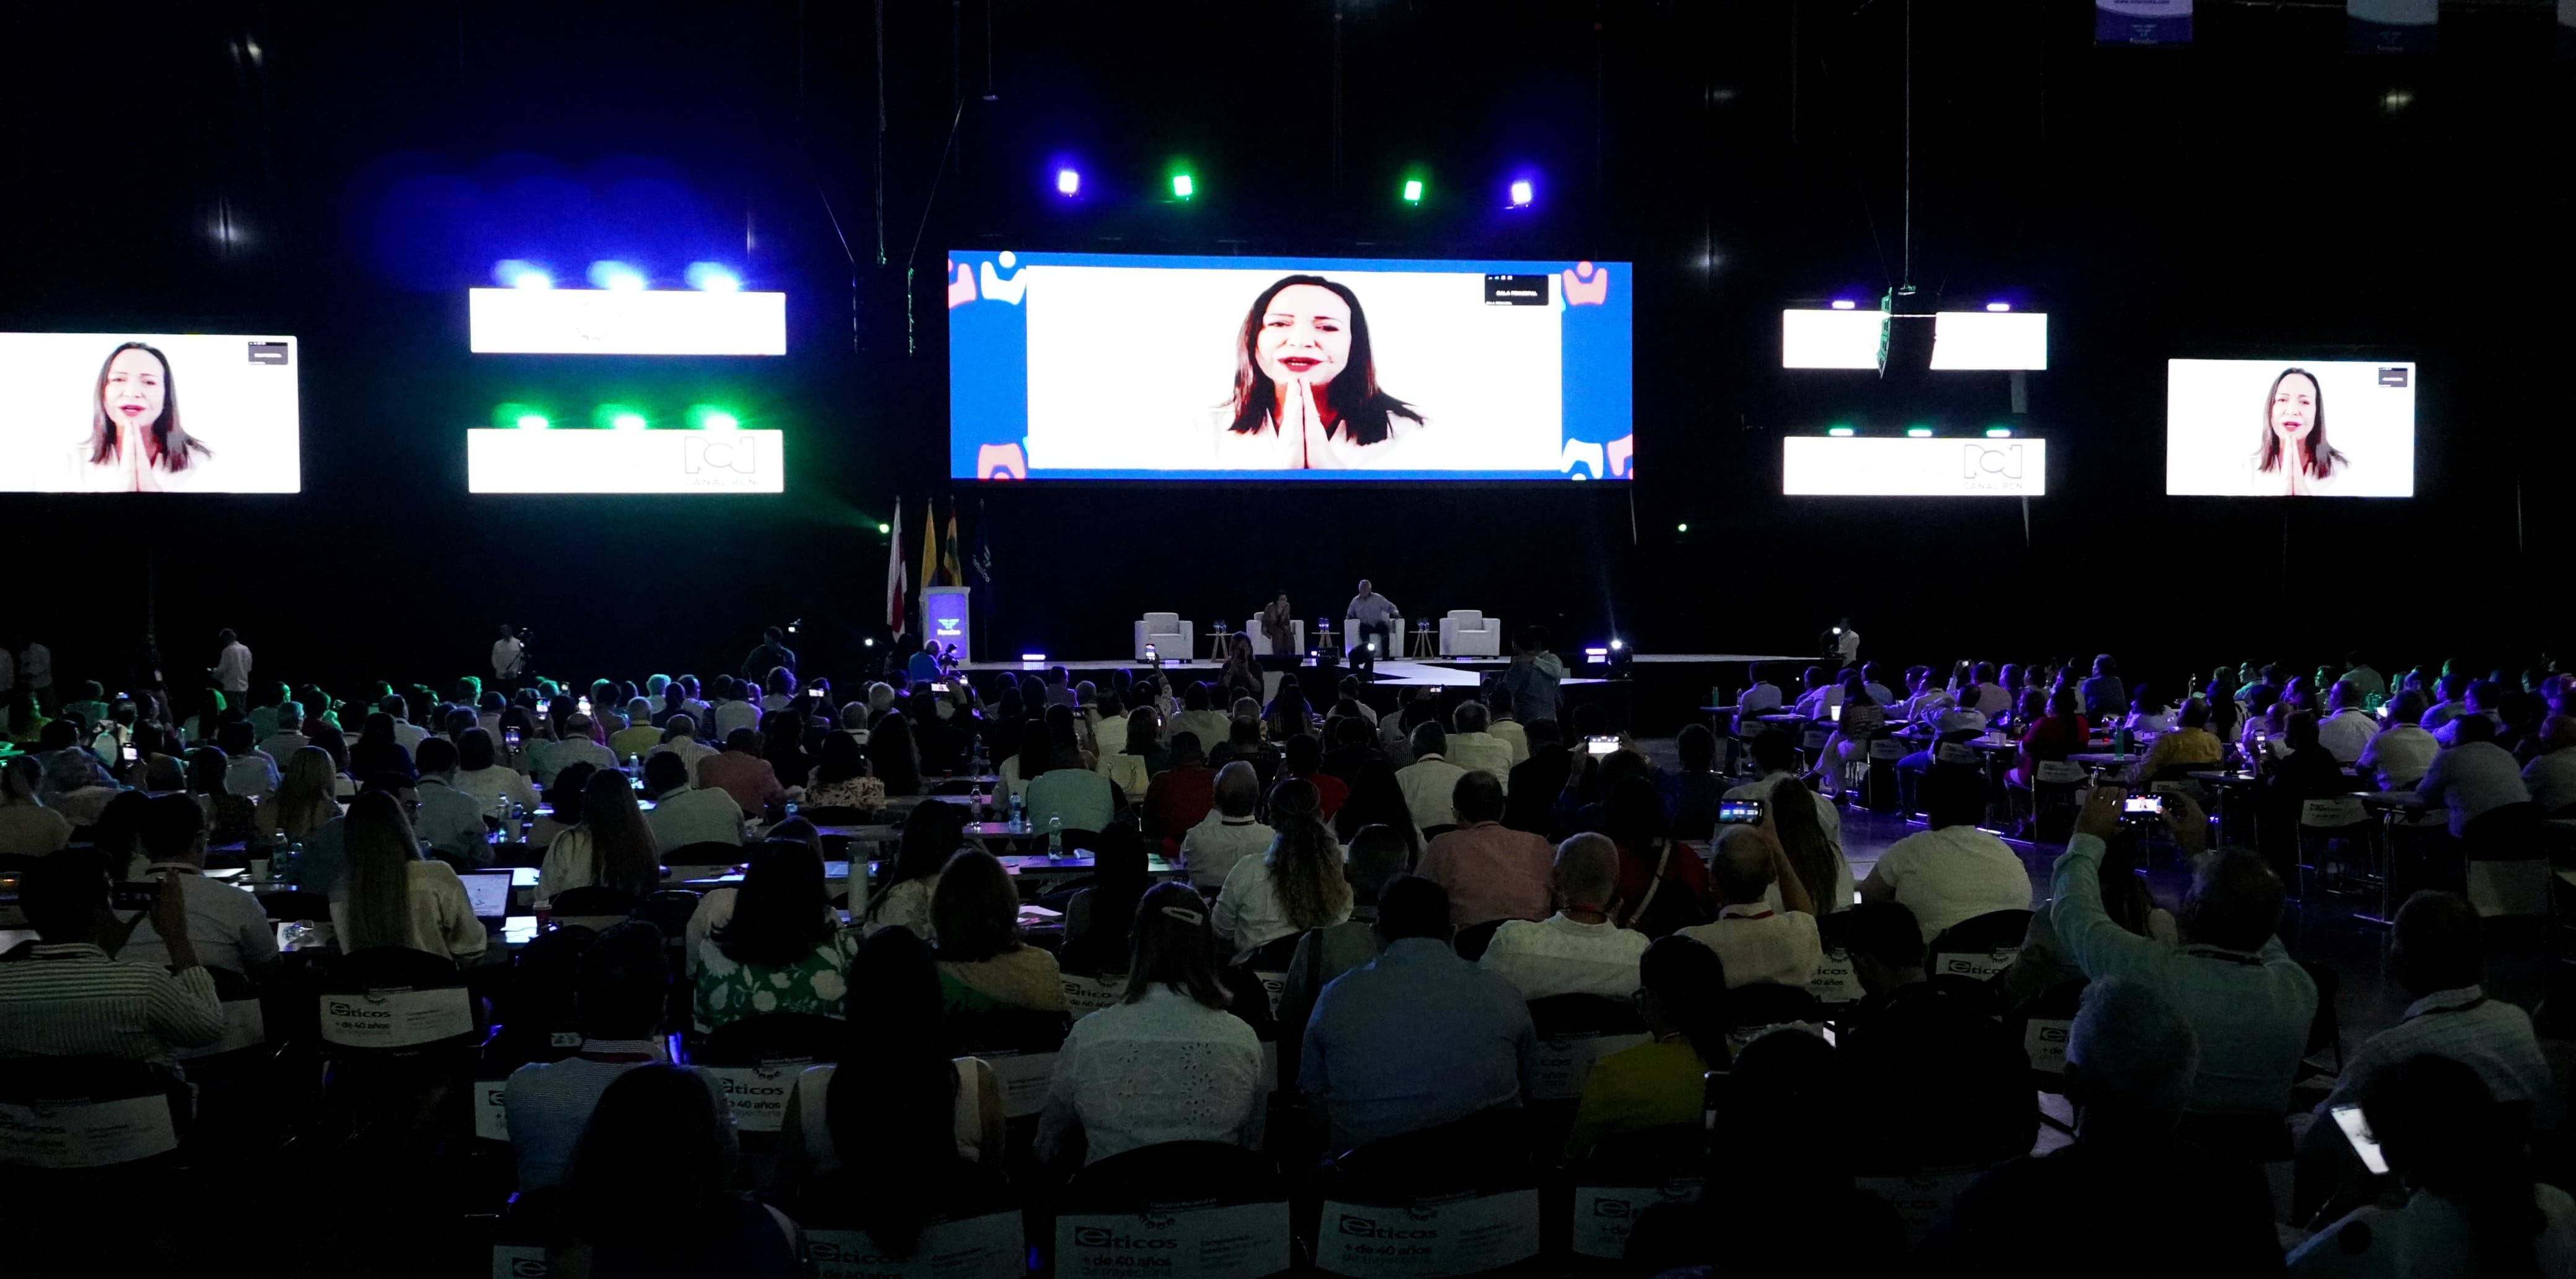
(148, 413)
(1090, 366)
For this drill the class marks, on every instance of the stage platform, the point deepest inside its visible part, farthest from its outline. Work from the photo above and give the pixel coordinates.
(1446, 672)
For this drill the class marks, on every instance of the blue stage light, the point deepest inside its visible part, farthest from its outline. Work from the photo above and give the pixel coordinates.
(1522, 193)
(616, 275)
(1068, 182)
(713, 278)
(512, 273)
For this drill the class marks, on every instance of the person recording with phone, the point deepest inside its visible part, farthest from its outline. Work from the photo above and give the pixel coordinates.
(72, 998)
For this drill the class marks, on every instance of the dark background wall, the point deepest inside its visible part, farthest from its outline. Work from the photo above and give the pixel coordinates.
(345, 174)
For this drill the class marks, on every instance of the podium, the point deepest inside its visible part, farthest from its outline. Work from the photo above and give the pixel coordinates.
(944, 617)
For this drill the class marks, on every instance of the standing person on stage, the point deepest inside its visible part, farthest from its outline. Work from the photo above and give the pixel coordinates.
(509, 657)
(1279, 624)
(1840, 644)
(1372, 614)
(1531, 679)
(231, 671)
(772, 654)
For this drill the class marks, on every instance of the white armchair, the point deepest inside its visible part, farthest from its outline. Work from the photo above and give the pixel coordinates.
(1171, 637)
(1468, 633)
(1261, 638)
(1395, 633)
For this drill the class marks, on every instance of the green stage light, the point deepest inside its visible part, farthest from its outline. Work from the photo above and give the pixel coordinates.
(1182, 187)
(1999, 432)
(1838, 432)
(1918, 432)
(713, 417)
(517, 416)
(1413, 190)
(883, 529)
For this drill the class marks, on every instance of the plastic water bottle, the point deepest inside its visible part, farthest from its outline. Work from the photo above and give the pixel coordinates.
(289, 867)
(1019, 812)
(1055, 839)
(2121, 741)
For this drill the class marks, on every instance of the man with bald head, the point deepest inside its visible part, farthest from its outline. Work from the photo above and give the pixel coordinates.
(1758, 943)
(1578, 950)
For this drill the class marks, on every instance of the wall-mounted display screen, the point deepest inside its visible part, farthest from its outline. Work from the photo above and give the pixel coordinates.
(1090, 366)
(625, 322)
(1882, 466)
(500, 460)
(148, 413)
(1827, 338)
(2290, 428)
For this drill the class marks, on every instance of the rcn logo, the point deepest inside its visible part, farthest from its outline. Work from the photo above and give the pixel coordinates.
(1980, 460)
(703, 453)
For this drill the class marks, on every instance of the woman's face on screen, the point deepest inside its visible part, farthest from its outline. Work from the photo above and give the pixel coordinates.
(1305, 335)
(2294, 408)
(133, 395)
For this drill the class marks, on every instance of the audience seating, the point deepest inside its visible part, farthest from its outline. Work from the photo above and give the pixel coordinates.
(1472, 940)
(91, 1117)
(1436, 1185)
(1468, 633)
(1969, 955)
(1170, 636)
(1203, 1206)
(1020, 1044)
(755, 1062)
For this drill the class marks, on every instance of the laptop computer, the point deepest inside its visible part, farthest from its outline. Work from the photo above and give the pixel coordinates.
(489, 893)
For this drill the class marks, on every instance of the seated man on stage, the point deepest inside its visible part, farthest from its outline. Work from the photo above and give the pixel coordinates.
(1372, 617)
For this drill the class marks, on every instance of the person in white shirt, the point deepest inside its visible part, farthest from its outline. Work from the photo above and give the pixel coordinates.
(481, 774)
(27, 827)
(680, 737)
(228, 927)
(288, 737)
(2398, 755)
(1578, 950)
(2486, 697)
(1230, 832)
(447, 819)
(1297, 885)
(1167, 1062)
(390, 896)
(406, 735)
(2551, 775)
(247, 772)
(1430, 780)
(577, 746)
(1475, 749)
(1821, 696)
(231, 671)
(2346, 730)
(2473, 778)
(1761, 698)
(1953, 872)
(2365, 678)
(509, 656)
(1992, 698)
(1757, 943)
(2454, 688)
(682, 816)
(1499, 721)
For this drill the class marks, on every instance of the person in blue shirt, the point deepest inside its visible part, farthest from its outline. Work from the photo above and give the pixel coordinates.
(1416, 1038)
(923, 667)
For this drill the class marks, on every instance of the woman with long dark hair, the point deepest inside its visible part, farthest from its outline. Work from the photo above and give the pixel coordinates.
(1794, 815)
(1682, 996)
(377, 751)
(1377, 799)
(1030, 761)
(782, 743)
(1167, 1062)
(652, 1188)
(781, 951)
(983, 964)
(1096, 921)
(840, 778)
(931, 835)
(893, 755)
(1305, 385)
(136, 444)
(1296, 886)
(2294, 459)
(1662, 885)
(922, 1130)
(392, 896)
(612, 848)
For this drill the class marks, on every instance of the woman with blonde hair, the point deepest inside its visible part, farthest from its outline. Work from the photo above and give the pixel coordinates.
(306, 798)
(1791, 814)
(612, 848)
(1296, 886)
(392, 896)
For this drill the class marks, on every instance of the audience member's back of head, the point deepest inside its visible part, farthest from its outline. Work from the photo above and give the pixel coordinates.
(2235, 903)
(63, 894)
(2443, 1133)
(1587, 871)
(434, 755)
(1697, 747)
(1429, 738)
(1238, 789)
(1411, 906)
(665, 771)
(2472, 728)
(622, 983)
(1742, 870)
(2438, 944)
(1954, 795)
(1478, 797)
(2132, 1054)
(1773, 752)
(654, 1168)
(1689, 981)
(1886, 932)
(1375, 855)
(172, 827)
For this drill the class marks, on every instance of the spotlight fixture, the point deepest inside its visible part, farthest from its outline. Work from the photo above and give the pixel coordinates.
(1918, 432)
(532, 422)
(1999, 306)
(1523, 192)
(1183, 187)
(1999, 432)
(1068, 182)
(1413, 190)
(627, 422)
(616, 275)
(883, 529)
(719, 421)
(713, 278)
(515, 274)
(1843, 304)
(1839, 432)
(1681, 528)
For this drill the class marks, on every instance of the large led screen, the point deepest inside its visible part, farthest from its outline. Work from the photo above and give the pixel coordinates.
(1884, 466)
(624, 322)
(2290, 428)
(577, 461)
(148, 413)
(1089, 366)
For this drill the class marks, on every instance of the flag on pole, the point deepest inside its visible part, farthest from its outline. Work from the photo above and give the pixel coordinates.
(898, 608)
(951, 572)
(929, 551)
